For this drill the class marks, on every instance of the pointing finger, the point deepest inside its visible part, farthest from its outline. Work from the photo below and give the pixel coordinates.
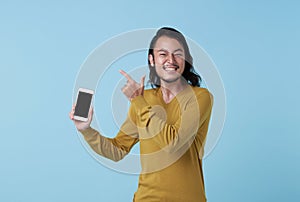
(126, 75)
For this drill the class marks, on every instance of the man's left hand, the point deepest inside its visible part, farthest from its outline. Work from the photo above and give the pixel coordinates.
(132, 89)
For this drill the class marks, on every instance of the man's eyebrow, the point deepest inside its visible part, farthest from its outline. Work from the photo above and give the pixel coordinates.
(162, 49)
(179, 49)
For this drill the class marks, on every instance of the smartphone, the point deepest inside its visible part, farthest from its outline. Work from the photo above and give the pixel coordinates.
(83, 104)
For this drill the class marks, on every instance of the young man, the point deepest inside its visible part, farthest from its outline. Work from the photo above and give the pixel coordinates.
(170, 121)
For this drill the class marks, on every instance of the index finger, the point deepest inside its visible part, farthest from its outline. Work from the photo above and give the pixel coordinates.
(126, 75)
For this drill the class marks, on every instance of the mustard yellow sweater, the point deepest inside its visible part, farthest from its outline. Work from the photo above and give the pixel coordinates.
(171, 137)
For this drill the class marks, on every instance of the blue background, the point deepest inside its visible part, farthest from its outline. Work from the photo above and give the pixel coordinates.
(255, 46)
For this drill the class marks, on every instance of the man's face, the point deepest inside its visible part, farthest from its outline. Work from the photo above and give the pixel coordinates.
(169, 59)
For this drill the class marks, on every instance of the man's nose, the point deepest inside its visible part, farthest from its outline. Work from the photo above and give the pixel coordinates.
(171, 58)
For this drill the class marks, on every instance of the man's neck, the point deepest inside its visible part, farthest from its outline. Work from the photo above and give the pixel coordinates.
(170, 90)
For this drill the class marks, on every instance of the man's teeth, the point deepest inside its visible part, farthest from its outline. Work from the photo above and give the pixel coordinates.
(171, 69)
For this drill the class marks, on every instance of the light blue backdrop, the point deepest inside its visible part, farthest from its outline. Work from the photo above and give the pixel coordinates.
(255, 45)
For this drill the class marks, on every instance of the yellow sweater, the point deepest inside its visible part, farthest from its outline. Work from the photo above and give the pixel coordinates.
(171, 137)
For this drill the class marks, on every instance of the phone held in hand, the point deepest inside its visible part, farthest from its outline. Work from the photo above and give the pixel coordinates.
(83, 104)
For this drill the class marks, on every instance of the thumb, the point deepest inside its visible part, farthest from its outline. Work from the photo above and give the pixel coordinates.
(142, 81)
(91, 112)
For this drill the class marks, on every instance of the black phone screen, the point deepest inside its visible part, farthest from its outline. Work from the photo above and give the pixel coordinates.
(83, 104)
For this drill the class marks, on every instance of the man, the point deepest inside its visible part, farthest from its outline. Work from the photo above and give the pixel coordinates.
(170, 121)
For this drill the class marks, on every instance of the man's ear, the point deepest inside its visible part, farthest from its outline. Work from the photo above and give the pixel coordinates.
(150, 57)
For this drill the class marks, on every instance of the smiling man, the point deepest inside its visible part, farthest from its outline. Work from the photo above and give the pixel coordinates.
(170, 121)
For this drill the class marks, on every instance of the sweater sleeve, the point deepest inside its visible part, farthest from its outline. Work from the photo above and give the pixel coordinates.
(171, 137)
(113, 148)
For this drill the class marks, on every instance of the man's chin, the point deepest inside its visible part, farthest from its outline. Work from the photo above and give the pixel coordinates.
(171, 80)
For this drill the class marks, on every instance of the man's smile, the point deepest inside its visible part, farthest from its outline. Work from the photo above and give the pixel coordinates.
(170, 68)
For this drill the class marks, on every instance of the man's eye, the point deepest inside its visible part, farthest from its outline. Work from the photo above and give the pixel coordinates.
(162, 54)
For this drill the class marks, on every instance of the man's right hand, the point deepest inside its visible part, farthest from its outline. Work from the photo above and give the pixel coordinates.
(80, 125)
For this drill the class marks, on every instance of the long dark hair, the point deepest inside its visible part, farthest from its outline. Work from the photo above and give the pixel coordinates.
(189, 73)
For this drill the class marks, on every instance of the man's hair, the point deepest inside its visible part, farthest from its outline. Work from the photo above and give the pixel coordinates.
(189, 73)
